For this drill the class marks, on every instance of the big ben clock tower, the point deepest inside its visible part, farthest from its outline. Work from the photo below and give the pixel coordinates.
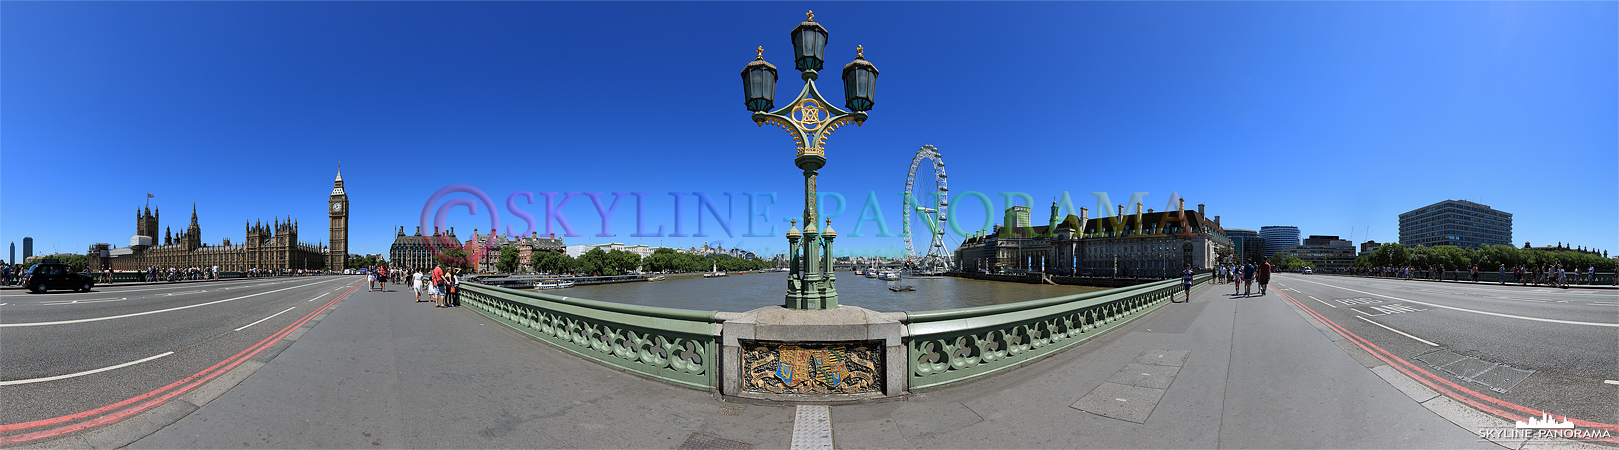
(337, 255)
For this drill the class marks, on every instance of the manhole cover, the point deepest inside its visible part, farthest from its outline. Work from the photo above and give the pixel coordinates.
(700, 441)
(1501, 377)
(1440, 358)
(1468, 368)
(733, 409)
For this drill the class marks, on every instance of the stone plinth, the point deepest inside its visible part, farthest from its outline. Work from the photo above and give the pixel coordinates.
(845, 353)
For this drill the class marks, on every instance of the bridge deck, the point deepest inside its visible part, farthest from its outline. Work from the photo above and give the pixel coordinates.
(384, 372)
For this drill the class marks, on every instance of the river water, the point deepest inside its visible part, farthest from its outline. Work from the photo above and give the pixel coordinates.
(737, 293)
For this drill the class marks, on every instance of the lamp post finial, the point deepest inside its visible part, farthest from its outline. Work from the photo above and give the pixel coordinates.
(859, 52)
(761, 55)
(809, 16)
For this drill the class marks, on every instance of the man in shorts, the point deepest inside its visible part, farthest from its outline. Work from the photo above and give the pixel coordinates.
(436, 292)
(1248, 279)
(382, 277)
(1186, 282)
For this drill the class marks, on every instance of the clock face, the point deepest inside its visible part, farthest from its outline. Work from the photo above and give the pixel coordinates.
(337, 207)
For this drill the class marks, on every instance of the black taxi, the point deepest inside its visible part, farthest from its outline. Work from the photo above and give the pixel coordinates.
(47, 276)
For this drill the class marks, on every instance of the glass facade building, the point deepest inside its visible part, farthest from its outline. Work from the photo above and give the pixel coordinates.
(1278, 238)
(1455, 222)
(1247, 244)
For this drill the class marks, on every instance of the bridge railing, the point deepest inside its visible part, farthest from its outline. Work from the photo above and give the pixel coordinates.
(676, 346)
(956, 345)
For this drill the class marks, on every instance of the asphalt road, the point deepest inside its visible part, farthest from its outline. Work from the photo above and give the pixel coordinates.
(1568, 337)
(63, 353)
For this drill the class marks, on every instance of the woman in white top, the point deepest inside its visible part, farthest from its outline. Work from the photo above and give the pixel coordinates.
(416, 284)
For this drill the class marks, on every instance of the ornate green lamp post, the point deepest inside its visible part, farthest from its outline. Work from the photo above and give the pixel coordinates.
(809, 119)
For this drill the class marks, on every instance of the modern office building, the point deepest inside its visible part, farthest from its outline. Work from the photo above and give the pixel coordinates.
(27, 247)
(1455, 222)
(13, 258)
(1324, 252)
(1366, 248)
(1246, 244)
(1278, 238)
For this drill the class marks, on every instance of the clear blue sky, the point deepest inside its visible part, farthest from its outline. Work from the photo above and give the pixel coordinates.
(1331, 116)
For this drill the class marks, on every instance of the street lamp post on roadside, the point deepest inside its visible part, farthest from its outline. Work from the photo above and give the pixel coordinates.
(810, 119)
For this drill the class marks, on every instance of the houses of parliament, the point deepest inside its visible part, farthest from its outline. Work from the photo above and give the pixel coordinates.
(268, 246)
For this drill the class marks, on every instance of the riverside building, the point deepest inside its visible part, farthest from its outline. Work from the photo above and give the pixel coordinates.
(1151, 244)
(1455, 222)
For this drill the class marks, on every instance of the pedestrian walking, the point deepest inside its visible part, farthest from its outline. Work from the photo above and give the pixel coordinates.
(437, 292)
(1248, 279)
(416, 284)
(1186, 283)
(1264, 275)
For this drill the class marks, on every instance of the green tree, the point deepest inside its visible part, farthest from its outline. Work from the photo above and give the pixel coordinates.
(509, 258)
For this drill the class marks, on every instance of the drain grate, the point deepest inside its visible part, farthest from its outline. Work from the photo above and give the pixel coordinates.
(1468, 368)
(1502, 377)
(700, 441)
(1496, 376)
(733, 409)
(1440, 358)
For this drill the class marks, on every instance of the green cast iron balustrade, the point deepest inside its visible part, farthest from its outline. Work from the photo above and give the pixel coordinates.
(675, 346)
(956, 345)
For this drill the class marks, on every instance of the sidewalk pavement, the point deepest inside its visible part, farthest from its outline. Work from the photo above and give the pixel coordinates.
(384, 372)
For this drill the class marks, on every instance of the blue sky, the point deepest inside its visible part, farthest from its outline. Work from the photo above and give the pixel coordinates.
(1331, 116)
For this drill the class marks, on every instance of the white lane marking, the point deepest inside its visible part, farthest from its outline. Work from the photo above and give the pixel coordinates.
(87, 372)
(4, 304)
(1312, 297)
(96, 319)
(1610, 382)
(108, 289)
(1487, 313)
(318, 297)
(1402, 333)
(99, 300)
(1598, 304)
(272, 316)
(812, 428)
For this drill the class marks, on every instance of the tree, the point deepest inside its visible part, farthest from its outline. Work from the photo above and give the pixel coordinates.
(508, 261)
(455, 259)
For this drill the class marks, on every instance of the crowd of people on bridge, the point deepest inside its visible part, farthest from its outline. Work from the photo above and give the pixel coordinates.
(1242, 277)
(441, 284)
(1553, 275)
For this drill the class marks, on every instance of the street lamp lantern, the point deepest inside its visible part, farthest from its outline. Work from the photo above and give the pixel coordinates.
(759, 83)
(809, 119)
(809, 46)
(859, 82)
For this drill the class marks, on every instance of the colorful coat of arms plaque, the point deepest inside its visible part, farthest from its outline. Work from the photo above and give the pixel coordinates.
(842, 368)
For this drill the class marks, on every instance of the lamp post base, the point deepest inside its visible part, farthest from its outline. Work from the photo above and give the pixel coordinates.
(812, 293)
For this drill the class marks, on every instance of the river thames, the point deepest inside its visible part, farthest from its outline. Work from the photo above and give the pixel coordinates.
(737, 293)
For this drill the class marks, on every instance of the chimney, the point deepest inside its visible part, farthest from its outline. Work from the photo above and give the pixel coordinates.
(418, 230)
(1138, 218)
(1083, 214)
(536, 235)
(1200, 210)
(1121, 212)
(1217, 221)
(1182, 205)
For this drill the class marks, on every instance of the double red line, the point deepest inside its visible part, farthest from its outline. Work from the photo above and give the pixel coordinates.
(154, 398)
(1497, 407)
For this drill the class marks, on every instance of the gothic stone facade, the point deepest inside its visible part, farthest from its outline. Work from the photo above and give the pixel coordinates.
(269, 246)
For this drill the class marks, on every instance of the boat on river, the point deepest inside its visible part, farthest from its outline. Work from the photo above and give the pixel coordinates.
(716, 273)
(553, 284)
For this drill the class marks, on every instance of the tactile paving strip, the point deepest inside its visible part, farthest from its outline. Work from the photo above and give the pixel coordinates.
(812, 428)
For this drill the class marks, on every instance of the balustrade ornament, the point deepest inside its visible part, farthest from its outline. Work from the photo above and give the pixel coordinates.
(814, 369)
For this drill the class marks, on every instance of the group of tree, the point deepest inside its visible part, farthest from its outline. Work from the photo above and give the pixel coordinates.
(1289, 262)
(366, 262)
(1488, 258)
(668, 260)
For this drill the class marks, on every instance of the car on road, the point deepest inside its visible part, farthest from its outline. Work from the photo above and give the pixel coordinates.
(47, 276)
(1307, 270)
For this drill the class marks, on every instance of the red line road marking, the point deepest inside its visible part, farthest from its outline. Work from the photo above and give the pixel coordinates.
(115, 417)
(1455, 391)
